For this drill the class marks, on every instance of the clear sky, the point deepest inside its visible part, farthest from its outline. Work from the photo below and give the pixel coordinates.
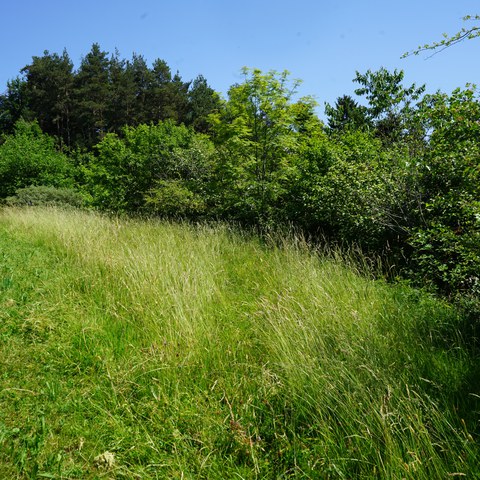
(321, 42)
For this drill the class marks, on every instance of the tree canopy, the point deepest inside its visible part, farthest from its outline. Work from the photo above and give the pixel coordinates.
(104, 94)
(394, 171)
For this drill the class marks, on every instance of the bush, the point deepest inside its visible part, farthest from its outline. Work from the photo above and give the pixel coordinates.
(354, 190)
(446, 238)
(29, 157)
(44, 195)
(172, 198)
(125, 169)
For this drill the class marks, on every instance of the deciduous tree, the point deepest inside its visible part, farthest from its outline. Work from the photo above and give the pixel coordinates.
(29, 157)
(390, 103)
(257, 134)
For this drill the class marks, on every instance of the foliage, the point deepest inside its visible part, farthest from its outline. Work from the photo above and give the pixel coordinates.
(347, 114)
(203, 102)
(173, 198)
(166, 97)
(448, 40)
(29, 157)
(104, 95)
(447, 237)
(421, 196)
(91, 95)
(184, 188)
(190, 351)
(127, 169)
(257, 134)
(48, 84)
(394, 172)
(354, 190)
(46, 196)
(13, 105)
(390, 104)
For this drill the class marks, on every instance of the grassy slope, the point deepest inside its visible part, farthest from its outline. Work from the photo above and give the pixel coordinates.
(195, 353)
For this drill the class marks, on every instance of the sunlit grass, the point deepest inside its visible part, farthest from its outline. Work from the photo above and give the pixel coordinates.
(198, 352)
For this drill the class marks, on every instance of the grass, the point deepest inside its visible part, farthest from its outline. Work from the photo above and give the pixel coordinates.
(153, 350)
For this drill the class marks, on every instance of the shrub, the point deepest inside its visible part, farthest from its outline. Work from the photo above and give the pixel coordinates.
(173, 198)
(446, 238)
(29, 157)
(126, 169)
(45, 195)
(354, 190)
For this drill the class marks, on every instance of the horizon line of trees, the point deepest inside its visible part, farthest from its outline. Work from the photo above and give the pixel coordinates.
(79, 107)
(396, 171)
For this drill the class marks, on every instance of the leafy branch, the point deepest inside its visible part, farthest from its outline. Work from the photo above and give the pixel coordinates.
(448, 41)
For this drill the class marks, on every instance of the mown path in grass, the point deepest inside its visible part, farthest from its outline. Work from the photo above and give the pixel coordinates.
(151, 350)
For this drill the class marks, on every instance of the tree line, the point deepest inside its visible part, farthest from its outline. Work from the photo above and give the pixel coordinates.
(79, 107)
(393, 170)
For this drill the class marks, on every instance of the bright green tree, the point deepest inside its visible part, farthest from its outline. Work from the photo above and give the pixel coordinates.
(257, 133)
(446, 236)
(141, 164)
(351, 189)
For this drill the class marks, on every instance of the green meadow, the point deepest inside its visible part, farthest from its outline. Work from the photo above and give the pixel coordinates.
(157, 350)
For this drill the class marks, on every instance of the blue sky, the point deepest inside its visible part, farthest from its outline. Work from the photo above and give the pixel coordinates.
(321, 42)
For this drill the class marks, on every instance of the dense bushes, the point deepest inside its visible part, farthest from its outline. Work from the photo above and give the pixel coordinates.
(29, 157)
(127, 170)
(446, 238)
(412, 196)
(354, 190)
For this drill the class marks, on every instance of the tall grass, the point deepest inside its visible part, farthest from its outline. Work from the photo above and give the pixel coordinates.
(157, 350)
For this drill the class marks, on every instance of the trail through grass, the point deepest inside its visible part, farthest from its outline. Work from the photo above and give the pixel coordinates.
(145, 350)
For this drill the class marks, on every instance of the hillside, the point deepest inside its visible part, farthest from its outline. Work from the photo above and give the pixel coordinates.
(155, 350)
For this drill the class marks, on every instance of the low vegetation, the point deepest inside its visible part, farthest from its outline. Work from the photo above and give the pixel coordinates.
(134, 349)
(183, 347)
(395, 173)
